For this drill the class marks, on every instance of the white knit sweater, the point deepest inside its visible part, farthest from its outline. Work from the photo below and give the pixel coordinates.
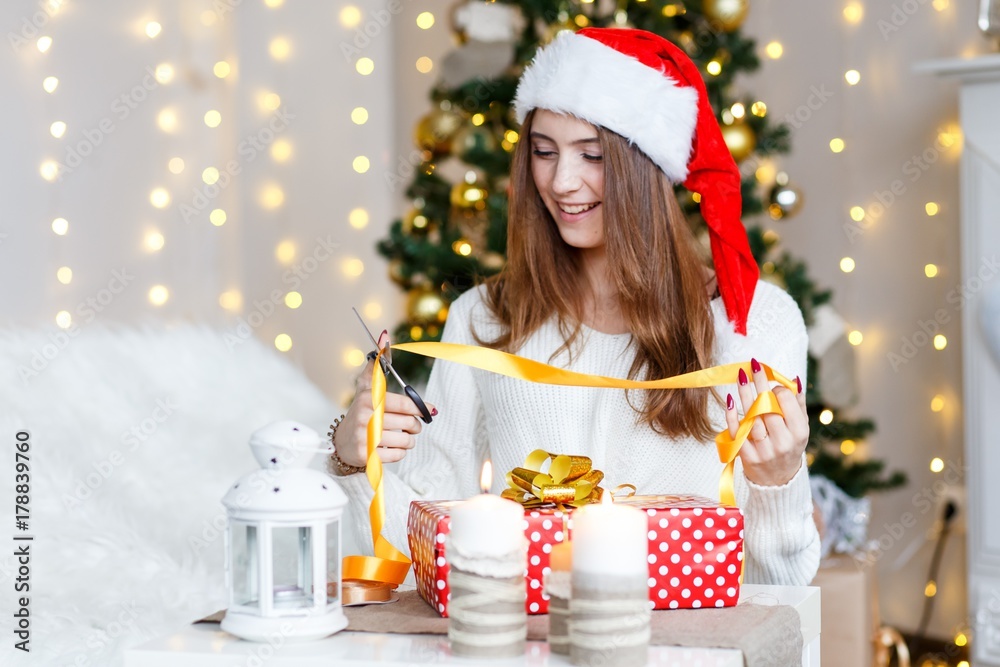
(484, 415)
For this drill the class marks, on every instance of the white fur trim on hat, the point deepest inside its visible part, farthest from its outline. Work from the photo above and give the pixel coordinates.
(582, 77)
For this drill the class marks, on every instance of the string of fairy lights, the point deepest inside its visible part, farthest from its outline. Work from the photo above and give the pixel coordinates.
(351, 18)
(867, 214)
(270, 197)
(949, 138)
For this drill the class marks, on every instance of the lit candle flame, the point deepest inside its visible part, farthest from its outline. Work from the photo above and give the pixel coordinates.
(486, 479)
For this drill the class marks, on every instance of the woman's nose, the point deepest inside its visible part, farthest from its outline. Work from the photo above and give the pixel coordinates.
(567, 179)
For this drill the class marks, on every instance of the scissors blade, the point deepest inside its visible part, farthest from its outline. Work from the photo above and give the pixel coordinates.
(386, 360)
(365, 326)
(386, 354)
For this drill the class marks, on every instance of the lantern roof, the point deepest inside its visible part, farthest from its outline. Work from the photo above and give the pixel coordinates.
(287, 444)
(285, 494)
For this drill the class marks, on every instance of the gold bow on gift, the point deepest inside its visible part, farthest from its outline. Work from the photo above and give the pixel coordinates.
(569, 481)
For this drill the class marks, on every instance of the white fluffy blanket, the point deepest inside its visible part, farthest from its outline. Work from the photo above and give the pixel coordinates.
(135, 436)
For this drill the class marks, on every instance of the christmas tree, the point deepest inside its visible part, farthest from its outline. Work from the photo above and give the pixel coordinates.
(455, 233)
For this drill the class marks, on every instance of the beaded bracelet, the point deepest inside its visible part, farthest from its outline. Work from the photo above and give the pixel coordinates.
(342, 468)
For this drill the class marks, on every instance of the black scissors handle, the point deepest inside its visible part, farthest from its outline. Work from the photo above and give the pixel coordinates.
(425, 414)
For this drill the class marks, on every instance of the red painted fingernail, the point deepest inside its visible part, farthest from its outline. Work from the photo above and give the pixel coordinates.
(755, 366)
(729, 402)
(434, 412)
(798, 383)
(743, 377)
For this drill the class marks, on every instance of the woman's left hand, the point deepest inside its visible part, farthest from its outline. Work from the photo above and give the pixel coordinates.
(772, 453)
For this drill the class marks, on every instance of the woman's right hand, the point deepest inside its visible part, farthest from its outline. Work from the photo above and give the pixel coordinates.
(399, 426)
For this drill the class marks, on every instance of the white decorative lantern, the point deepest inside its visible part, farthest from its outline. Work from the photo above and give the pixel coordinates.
(283, 541)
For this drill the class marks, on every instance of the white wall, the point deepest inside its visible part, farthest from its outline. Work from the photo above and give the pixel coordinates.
(100, 53)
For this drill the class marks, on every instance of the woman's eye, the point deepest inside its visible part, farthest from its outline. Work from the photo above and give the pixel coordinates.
(593, 158)
(541, 153)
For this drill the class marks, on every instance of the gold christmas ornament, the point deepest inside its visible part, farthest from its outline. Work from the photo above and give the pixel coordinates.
(425, 305)
(435, 130)
(727, 15)
(473, 139)
(740, 139)
(415, 223)
(468, 197)
(785, 200)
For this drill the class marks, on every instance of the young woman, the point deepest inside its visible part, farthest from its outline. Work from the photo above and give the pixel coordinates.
(604, 277)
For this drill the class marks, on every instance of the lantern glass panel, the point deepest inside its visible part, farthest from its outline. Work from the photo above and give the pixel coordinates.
(244, 563)
(292, 549)
(333, 562)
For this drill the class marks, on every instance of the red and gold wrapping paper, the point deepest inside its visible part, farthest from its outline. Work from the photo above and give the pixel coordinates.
(695, 551)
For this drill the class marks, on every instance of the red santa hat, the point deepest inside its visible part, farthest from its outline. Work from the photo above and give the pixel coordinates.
(646, 89)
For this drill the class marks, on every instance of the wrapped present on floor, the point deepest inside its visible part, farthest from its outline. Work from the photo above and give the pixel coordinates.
(695, 549)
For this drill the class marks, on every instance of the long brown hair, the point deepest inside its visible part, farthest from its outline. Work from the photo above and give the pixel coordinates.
(653, 261)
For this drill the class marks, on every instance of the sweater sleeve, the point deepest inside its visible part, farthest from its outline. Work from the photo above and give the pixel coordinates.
(443, 463)
(781, 542)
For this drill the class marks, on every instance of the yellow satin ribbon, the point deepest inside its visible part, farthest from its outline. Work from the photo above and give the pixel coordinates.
(520, 368)
(570, 481)
(391, 565)
(729, 447)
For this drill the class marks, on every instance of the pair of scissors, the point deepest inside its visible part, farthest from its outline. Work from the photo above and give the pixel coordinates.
(386, 362)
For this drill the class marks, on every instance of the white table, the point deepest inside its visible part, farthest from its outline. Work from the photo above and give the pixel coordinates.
(205, 645)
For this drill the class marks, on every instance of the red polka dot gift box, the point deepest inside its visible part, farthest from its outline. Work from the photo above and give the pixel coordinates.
(695, 551)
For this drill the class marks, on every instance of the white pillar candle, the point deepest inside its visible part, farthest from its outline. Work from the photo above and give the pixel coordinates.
(487, 526)
(487, 551)
(610, 539)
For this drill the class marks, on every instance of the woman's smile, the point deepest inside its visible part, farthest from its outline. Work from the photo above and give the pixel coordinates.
(576, 212)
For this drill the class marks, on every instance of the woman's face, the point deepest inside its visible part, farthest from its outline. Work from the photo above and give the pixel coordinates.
(566, 164)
